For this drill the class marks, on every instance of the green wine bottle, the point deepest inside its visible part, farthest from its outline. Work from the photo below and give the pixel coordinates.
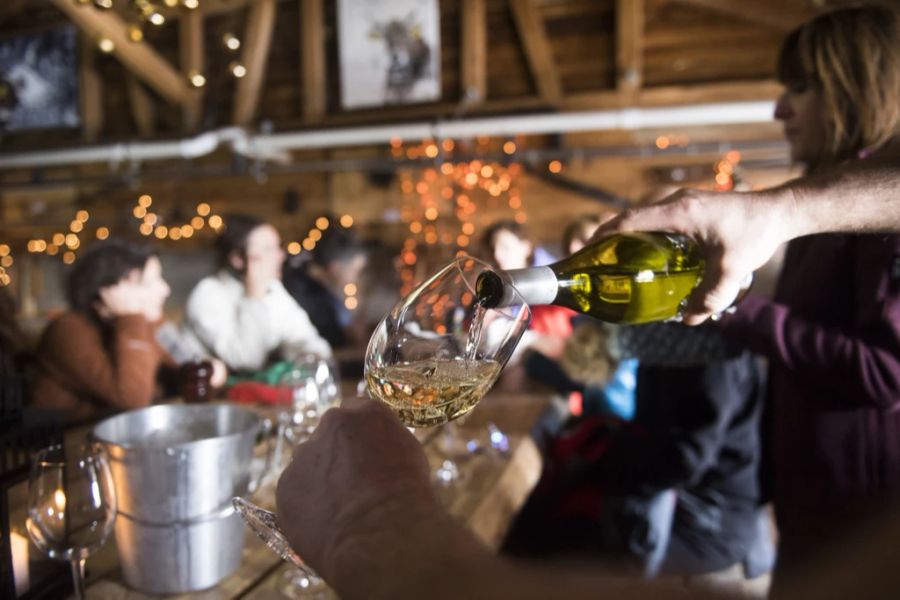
(624, 278)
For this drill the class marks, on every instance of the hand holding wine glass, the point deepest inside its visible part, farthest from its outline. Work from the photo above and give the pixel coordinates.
(71, 505)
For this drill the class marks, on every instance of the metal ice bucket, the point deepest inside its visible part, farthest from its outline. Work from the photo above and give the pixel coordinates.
(176, 468)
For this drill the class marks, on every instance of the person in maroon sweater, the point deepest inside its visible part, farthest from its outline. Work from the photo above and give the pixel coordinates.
(102, 354)
(832, 332)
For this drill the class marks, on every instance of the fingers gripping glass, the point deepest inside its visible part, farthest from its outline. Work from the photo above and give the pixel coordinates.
(431, 360)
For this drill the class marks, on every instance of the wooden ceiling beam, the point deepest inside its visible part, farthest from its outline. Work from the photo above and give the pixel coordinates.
(783, 16)
(139, 58)
(629, 48)
(91, 92)
(537, 48)
(190, 47)
(142, 108)
(256, 43)
(473, 52)
(312, 60)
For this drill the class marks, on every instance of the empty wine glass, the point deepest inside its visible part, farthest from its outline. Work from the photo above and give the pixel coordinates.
(71, 505)
(431, 359)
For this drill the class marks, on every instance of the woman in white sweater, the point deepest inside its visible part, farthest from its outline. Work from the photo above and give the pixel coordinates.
(242, 314)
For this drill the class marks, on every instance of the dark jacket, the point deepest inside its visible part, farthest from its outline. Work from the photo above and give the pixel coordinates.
(832, 337)
(699, 427)
(319, 303)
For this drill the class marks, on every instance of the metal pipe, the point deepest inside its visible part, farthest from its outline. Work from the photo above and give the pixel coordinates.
(273, 146)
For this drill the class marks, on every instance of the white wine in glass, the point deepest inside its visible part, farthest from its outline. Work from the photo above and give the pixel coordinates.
(439, 351)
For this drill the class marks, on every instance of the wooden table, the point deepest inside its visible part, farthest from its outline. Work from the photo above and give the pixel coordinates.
(490, 492)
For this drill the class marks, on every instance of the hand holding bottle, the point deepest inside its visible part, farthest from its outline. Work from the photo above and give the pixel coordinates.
(736, 234)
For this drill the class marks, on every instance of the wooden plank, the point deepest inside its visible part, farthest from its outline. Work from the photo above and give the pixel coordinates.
(312, 60)
(91, 92)
(734, 91)
(473, 53)
(783, 15)
(537, 50)
(141, 59)
(142, 108)
(629, 48)
(190, 47)
(257, 41)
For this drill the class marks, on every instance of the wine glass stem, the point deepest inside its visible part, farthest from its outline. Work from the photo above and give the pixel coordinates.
(78, 577)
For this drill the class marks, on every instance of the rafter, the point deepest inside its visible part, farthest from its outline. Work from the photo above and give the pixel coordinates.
(142, 108)
(190, 46)
(312, 59)
(473, 51)
(537, 49)
(257, 41)
(784, 16)
(141, 59)
(629, 48)
(91, 92)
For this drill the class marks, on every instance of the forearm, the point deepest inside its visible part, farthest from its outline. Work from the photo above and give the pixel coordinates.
(859, 197)
(821, 355)
(439, 559)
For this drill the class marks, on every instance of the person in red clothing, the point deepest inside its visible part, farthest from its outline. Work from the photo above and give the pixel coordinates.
(507, 246)
(102, 353)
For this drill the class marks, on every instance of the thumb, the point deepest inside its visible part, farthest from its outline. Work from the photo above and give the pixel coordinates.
(715, 292)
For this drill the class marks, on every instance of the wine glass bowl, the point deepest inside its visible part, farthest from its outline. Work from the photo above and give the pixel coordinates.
(71, 505)
(438, 351)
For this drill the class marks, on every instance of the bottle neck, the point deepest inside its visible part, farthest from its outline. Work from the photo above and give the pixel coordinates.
(536, 285)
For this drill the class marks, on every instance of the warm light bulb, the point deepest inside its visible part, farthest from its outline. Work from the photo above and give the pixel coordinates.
(203, 209)
(102, 233)
(322, 223)
(237, 69)
(346, 221)
(82, 215)
(69, 257)
(106, 45)
(4, 250)
(145, 200)
(196, 78)
(135, 33)
(231, 42)
(59, 499)
(191, 4)
(350, 289)
(156, 19)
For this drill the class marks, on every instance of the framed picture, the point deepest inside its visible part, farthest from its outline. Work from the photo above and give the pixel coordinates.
(39, 80)
(389, 52)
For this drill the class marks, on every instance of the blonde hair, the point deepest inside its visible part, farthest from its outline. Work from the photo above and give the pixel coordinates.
(852, 55)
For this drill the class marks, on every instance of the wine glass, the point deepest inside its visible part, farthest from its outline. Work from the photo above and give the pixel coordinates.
(71, 505)
(431, 360)
(438, 352)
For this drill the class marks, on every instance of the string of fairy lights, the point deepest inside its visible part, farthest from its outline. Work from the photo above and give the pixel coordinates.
(151, 12)
(443, 204)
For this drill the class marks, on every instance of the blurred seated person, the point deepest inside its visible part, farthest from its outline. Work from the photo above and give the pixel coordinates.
(14, 357)
(578, 233)
(508, 247)
(102, 353)
(318, 284)
(675, 492)
(242, 314)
